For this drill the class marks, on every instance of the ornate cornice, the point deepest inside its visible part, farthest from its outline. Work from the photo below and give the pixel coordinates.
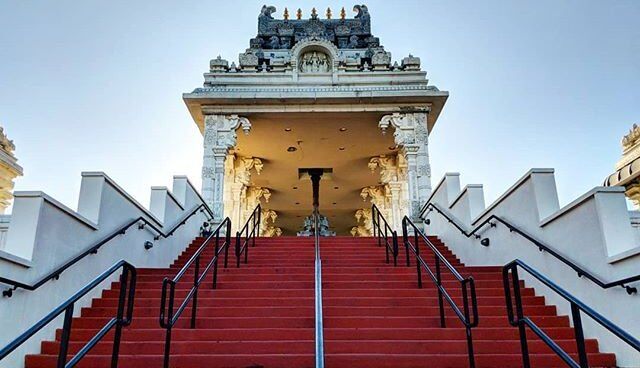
(205, 90)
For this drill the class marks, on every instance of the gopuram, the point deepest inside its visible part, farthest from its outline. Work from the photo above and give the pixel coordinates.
(315, 92)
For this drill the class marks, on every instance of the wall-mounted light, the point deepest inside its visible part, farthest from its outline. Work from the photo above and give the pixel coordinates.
(343, 129)
(485, 242)
(148, 245)
(291, 149)
(287, 129)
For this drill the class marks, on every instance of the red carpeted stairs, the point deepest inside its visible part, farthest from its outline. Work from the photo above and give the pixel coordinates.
(375, 316)
(262, 315)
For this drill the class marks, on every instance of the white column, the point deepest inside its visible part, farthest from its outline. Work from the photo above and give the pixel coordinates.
(219, 137)
(412, 136)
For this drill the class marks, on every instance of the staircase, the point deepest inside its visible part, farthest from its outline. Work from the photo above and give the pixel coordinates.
(375, 315)
(262, 315)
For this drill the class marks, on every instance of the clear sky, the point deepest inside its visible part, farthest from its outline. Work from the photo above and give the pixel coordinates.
(96, 85)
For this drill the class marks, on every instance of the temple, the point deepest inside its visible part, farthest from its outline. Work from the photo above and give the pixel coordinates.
(318, 237)
(316, 93)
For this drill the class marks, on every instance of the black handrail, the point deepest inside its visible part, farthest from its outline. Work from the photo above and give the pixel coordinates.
(93, 249)
(249, 232)
(467, 285)
(577, 306)
(494, 219)
(126, 297)
(381, 231)
(167, 307)
(319, 325)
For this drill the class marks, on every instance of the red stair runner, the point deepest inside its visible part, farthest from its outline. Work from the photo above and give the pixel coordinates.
(375, 316)
(262, 315)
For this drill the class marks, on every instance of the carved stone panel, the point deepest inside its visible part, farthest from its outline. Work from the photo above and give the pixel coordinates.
(314, 62)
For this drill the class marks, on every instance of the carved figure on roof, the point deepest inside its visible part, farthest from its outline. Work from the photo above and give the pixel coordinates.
(353, 42)
(362, 10)
(267, 11)
(274, 42)
(5, 143)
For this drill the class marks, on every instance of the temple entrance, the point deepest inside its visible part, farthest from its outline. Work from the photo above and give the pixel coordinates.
(344, 142)
(315, 93)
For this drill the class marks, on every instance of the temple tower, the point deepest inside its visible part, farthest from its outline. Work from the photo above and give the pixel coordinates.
(316, 92)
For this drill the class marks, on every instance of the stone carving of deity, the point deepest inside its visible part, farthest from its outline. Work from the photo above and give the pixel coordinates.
(314, 62)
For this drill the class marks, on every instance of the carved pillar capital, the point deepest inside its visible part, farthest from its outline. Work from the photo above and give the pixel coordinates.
(409, 128)
(220, 130)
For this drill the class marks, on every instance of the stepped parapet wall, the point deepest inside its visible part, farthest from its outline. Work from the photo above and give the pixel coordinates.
(594, 231)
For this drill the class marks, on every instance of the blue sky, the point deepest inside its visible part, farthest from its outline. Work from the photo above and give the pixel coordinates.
(96, 85)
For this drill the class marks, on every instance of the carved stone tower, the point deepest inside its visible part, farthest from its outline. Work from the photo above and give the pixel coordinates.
(316, 93)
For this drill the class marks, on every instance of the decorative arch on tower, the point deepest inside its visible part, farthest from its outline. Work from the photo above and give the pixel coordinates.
(303, 51)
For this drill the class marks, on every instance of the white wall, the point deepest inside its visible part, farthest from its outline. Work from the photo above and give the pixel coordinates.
(44, 234)
(593, 231)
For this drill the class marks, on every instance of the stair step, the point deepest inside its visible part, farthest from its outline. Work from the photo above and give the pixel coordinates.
(262, 314)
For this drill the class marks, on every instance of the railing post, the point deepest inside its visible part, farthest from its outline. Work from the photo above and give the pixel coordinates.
(259, 224)
(465, 300)
(395, 248)
(194, 304)
(215, 264)
(227, 242)
(124, 277)
(66, 334)
(246, 246)
(526, 363)
(405, 240)
(167, 341)
(418, 265)
(577, 326)
(443, 322)
(386, 244)
(237, 249)
(377, 227)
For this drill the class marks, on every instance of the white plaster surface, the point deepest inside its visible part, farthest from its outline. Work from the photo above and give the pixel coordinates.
(591, 231)
(46, 234)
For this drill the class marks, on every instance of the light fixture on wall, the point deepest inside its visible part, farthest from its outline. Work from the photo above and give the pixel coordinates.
(148, 245)
(343, 129)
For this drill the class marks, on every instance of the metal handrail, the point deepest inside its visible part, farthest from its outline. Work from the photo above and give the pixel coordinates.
(251, 230)
(93, 249)
(519, 320)
(381, 230)
(167, 307)
(494, 219)
(125, 305)
(467, 284)
(319, 329)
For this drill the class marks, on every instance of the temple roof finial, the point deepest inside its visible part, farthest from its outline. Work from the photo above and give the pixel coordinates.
(286, 14)
(343, 13)
(299, 14)
(314, 13)
(329, 13)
